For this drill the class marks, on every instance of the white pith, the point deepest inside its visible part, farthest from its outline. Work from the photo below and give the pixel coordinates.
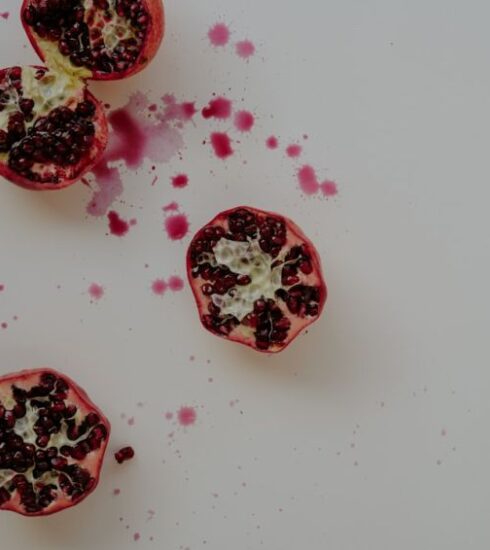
(52, 90)
(245, 258)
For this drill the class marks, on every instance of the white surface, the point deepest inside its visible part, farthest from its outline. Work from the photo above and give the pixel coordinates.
(395, 97)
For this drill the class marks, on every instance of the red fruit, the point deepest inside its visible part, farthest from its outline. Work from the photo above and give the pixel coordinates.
(99, 39)
(256, 278)
(52, 442)
(126, 453)
(52, 129)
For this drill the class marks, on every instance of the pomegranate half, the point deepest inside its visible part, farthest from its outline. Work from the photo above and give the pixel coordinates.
(52, 442)
(98, 39)
(256, 278)
(52, 129)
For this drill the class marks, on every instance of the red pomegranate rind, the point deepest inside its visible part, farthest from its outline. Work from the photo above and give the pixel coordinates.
(52, 129)
(52, 442)
(86, 33)
(256, 278)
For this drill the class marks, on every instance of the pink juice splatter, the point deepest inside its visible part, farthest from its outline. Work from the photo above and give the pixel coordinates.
(136, 537)
(307, 180)
(187, 416)
(329, 188)
(96, 291)
(5, 15)
(131, 146)
(159, 286)
(294, 150)
(117, 226)
(272, 142)
(244, 121)
(245, 49)
(219, 34)
(218, 108)
(221, 144)
(180, 180)
(171, 207)
(176, 226)
(175, 283)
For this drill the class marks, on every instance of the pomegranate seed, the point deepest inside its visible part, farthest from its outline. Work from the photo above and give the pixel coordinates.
(126, 453)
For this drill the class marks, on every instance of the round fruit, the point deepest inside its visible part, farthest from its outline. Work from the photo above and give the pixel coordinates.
(256, 278)
(52, 129)
(99, 39)
(52, 442)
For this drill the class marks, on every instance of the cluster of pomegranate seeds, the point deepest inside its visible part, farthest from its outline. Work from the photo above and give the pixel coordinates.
(82, 32)
(126, 453)
(253, 274)
(43, 437)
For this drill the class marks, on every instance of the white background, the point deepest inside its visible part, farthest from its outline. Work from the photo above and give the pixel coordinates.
(343, 432)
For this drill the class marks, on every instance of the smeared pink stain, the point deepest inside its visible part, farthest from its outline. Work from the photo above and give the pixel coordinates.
(171, 207)
(132, 142)
(221, 145)
(219, 34)
(136, 537)
(2, 288)
(4, 326)
(245, 49)
(294, 151)
(176, 226)
(96, 291)
(175, 283)
(116, 492)
(187, 416)
(329, 188)
(175, 111)
(244, 121)
(131, 421)
(117, 226)
(217, 108)
(5, 15)
(180, 180)
(133, 222)
(272, 142)
(159, 286)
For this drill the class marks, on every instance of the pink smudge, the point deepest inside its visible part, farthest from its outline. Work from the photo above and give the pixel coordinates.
(2, 288)
(4, 326)
(180, 180)
(175, 283)
(176, 226)
(218, 108)
(96, 291)
(116, 492)
(186, 416)
(245, 49)
(117, 226)
(136, 537)
(5, 15)
(244, 121)
(110, 187)
(131, 421)
(221, 144)
(171, 207)
(328, 188)
(272, 142)
(169, 415)
(294, 151)
(219, 34)
(175, 111)
(159, 286)
(307, 180)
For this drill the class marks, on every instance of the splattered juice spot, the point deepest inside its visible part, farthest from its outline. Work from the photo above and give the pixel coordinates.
(245, 49)
(96, 291)
(294, 151)
(176, 226)
(307, 180)
(244, 121)
(159, 286)
(328, 188)
(272, 142)
(221, 145)
(219, 108)
(117, 226)
(175, 283)
(171, 207)
(180, 180)
(5, 15)
(219, 34)
(186, 416)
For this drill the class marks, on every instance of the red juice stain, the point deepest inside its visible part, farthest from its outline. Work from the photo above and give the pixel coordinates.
(159, 286)
(133, 140)
(218, 108)
(294, 151)
(328, 188)
(117, 225)
(244, 121)
(180, 180)
(177, 226)
(175, 283)
(170, 207)
(186, 416)
(245, 49)
(96, 291)
(307, 180)
(136, 537)
(272, 142)
(5, 15)
(219, 34)
(153, 107)
(221, 144)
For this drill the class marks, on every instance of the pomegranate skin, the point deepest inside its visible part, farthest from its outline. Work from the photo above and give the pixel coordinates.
(83, 401)
(85, 164)
(295, 329)
(153, 40)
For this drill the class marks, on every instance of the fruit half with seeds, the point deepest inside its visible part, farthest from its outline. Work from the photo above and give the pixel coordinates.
(52, 442)
(256, 278)
(98, 39)
(52, 129)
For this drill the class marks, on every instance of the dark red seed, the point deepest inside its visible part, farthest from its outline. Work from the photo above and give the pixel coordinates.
(126, 453)
(26, 105)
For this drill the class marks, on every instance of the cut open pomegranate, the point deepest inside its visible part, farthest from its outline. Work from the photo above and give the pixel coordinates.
(52, 442)
(98, 39)
(256, 278)
(52, 129)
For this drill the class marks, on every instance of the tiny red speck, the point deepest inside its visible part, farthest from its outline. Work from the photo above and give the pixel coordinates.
(96, 291)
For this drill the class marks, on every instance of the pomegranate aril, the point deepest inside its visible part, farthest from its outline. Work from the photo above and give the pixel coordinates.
(126, 453)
